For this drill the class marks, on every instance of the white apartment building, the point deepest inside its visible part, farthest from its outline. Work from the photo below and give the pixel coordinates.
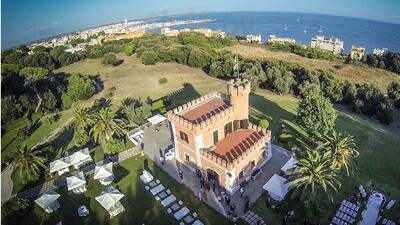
(334, 45)
(253, 38)
(379, 51)
(282, 40)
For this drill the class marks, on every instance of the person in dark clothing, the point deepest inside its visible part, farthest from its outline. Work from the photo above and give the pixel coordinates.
(180, 174)
(228, 201)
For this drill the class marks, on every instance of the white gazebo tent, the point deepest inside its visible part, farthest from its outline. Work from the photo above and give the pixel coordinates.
(60, 166)
(146, 177)
(277, 187)
(104, 173)
(371, 214)
(156, 119)
(290, 164)
(48, 201)
(110, 200)
(80, 157)
(77, 183)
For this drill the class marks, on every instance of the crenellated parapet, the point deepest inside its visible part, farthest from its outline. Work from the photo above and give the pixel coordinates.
(238, 86)
(209, 154)
(175, 115)
(238, 156)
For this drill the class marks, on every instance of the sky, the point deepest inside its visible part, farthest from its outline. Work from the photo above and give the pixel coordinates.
(25, 19)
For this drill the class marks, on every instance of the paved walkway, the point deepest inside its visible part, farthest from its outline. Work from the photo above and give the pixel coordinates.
(6, 183)
(60, 181)
(252, 218)
(153, 141)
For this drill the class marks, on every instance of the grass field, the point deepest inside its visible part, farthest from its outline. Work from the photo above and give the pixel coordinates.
(377, 144)
(353, 73)
(140, 206)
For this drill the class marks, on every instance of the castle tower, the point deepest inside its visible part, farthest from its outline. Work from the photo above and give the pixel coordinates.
(239, 91)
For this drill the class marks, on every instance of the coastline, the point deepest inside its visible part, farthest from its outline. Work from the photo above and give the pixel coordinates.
(363, 40)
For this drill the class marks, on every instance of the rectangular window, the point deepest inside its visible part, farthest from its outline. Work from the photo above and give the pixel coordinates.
(244, 124)
(236, 125)
(215, 136)
(228, 128)
(184, 136)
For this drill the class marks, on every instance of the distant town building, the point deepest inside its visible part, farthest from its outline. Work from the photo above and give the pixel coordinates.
(281, 40)
(357, 52)
(207, 32)
(168, 32)
(253, 38)
(334, 45)
(379, 51)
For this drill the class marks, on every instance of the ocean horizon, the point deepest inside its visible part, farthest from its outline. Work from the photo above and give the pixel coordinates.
(301, 26)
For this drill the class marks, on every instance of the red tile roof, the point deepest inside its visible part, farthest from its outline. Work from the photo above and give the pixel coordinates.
(205, 110)
(236, 143)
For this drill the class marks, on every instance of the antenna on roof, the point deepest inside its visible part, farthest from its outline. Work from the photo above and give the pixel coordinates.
(236, 68)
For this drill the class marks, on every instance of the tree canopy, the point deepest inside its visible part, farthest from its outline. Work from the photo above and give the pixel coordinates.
(316, 114)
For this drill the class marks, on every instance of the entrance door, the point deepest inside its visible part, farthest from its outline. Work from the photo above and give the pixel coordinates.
(213, 178)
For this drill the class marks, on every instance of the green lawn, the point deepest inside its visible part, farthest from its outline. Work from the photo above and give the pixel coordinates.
(140, 206)
(378, 144)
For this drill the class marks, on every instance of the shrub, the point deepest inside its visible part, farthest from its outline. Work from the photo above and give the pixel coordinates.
(394, 93)
(280, 79)
(129, 49)
(79, 88)
(263, 123)
(49, 101)
(158, 106)
(149, 58)
(163, 80)
(110, 59)
(10, 108)
(199, 58)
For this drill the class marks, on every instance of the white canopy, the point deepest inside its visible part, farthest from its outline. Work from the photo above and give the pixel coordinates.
(109, 197)
(156, 119)
(76, 181)
(370, 216)
(80, 157)
(47, 199)
(277, 187)
(59, 164)
(290, 164)
(103, 171)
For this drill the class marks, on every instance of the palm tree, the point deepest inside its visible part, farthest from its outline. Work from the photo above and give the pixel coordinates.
(105, 126)
(313, 175)
(340, 149)
(28, 162)
(81, 117)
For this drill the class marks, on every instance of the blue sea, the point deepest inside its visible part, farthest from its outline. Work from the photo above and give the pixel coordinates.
(301, 26)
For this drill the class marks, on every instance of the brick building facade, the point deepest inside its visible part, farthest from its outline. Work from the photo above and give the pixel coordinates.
(212, 134)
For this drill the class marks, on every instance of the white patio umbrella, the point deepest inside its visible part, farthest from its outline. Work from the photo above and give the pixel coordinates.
(277, 187)
(290, 164)
(76, 182)
(104, 173)
(48, 201)
(109, 199)
(156, 119)
(80, 157)
(60, 165)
